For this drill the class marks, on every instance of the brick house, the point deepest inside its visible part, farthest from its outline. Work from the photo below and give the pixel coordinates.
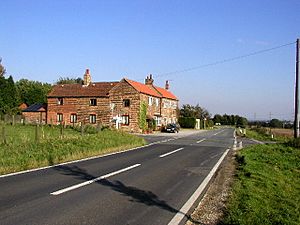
(73, 103)
(127, 96)
(114, 104)
(36, 113)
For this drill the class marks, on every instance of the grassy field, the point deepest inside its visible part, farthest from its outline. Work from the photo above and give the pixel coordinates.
(22, 152)
(267, 186)
(264, 134)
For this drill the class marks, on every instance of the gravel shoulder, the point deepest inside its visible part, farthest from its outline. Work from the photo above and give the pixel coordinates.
(212, 207)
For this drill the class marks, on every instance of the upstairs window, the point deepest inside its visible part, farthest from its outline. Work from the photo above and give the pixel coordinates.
(93, 102)
(92, 118)
(157, 102)
(60, 101)
(150, 100)
(126, 102)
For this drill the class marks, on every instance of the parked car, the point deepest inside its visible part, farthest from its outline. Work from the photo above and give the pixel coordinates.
(172, 128)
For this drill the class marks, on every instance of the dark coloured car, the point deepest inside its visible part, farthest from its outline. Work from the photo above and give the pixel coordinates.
(172, 128)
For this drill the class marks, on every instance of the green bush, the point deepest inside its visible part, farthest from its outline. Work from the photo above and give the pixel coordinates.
(187, 122)
(294, 143)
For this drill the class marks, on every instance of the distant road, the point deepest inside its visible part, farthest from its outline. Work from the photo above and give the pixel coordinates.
(144, 186)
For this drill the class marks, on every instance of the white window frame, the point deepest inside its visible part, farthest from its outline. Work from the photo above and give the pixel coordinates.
(73, 118)
(125, 120)
(93, 118)
(150, 101)
(59, 117)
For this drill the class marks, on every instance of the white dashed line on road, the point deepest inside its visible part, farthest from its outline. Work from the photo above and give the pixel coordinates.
(93, 180)
(169, 153)
(201, 140)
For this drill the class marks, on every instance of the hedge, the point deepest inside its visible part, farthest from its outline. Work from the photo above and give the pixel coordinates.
(187, 122)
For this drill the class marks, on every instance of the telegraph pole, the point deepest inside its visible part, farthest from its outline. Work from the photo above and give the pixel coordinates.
(297, 109)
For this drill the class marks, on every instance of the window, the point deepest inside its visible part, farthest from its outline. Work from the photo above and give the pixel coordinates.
(157, 102)
(60, 101)
(125, 120)
(92, 118)
(93, 102)
(59, 117)
(150, 100)
(157, 120)
(73, 118)
(126, 102)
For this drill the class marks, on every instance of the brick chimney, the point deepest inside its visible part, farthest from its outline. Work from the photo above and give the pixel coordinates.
(87, 79)
(167, 85)
(149, 80)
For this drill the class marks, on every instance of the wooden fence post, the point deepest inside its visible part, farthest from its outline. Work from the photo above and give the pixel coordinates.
(61, 130)
(37, 136)
(4, 135)
(82, 128)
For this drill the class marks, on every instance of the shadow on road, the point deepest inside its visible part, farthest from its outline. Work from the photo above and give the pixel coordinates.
(136, 195)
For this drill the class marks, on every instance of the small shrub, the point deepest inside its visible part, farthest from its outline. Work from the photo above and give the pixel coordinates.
(294, 143)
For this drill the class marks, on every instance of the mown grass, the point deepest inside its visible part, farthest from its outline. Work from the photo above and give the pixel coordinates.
(267, 186)
(22, 152)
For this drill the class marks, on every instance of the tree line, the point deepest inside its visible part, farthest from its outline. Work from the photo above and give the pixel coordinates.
(189, 113)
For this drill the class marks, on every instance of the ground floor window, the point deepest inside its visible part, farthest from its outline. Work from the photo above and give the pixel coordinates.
(59, 117)
(157, 120)
(92, 118)
(125, 120)
(73, 118)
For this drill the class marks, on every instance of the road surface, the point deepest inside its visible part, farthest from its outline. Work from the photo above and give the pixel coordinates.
(148, 185)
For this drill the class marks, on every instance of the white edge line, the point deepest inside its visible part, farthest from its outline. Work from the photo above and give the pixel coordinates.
(75, 161)
(169, 153)
(185, 208)
(93, 180)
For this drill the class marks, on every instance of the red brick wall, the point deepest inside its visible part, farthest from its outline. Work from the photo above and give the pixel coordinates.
(118, 94)
(81, 107)
(35, 117)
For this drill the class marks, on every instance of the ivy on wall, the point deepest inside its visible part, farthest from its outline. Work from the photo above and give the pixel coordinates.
(143, 116)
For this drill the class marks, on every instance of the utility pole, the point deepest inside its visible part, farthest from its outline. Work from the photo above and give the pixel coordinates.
(297, 109)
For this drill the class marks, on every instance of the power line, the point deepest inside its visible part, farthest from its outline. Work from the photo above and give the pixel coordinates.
(225, 60)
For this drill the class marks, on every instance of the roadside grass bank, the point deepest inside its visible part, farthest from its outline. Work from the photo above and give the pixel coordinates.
(267, 134)
(21, 150)
(266, 188)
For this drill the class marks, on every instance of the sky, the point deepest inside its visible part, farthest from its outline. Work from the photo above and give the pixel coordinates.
(43, 40)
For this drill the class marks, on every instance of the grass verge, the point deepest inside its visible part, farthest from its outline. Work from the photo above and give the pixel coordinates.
(21, 152)
(267, 187)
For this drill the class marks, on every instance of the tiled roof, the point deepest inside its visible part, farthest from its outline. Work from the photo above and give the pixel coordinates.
(35, 108)
(143, 88)
(165, 93)
(97, 89)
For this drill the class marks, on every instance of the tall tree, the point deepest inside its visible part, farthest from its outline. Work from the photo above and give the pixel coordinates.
(2, 69)
(31, 92)
(8, 96)
(194, 111)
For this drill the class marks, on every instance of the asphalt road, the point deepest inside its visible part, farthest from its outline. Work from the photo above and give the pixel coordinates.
(143, 186)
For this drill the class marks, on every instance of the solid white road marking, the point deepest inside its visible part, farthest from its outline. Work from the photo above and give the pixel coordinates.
(201, 140)
(169, 153)
(185, 208)
(93, 180)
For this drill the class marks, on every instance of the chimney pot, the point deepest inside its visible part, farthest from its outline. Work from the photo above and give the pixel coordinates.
(167, 86)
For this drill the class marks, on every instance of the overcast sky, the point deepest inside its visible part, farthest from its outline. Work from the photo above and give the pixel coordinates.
(43, 40)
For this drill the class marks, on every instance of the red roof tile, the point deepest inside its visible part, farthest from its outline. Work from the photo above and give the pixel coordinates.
(143, 88)
(165, 93)
(97, 89)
